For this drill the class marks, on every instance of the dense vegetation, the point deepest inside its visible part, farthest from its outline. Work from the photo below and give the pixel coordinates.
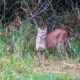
(17, 39)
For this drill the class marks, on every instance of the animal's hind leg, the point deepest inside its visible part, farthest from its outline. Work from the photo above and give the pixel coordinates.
(61, 49)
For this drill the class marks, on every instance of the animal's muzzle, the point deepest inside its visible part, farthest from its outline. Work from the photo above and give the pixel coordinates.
(43, 37)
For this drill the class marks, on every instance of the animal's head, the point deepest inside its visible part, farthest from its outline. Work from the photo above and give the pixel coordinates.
(42, 32)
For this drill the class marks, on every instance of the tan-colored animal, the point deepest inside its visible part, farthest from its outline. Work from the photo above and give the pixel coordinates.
(56, 38)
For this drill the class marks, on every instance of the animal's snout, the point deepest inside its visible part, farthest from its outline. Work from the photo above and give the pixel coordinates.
(43, 36)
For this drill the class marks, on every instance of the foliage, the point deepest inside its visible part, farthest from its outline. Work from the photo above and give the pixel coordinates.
(17, 47)
(16, 57)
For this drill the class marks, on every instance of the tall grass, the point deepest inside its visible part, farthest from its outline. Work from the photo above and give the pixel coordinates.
(23, 42)
(17, 42)
(17, 50)
(16, 55)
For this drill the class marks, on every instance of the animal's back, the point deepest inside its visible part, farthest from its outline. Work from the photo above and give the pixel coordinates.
(56, 38)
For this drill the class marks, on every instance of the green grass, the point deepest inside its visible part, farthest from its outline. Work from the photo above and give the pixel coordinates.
(15, 67)
(17, 62)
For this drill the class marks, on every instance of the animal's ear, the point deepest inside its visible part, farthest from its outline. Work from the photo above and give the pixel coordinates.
(38, 29)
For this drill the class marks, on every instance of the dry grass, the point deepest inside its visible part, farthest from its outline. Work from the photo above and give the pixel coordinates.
(66, 67)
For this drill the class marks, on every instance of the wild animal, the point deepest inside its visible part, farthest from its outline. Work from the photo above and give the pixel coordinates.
(57, 38)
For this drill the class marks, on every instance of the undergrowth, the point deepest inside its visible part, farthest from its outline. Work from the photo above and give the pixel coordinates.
(17, 50)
